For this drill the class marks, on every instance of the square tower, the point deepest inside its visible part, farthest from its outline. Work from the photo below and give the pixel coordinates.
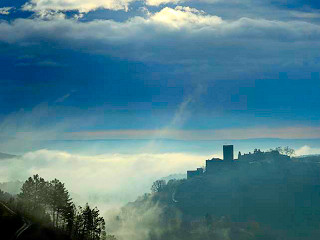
(228, 153)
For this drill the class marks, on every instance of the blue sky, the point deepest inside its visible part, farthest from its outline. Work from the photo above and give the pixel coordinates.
(158, 69)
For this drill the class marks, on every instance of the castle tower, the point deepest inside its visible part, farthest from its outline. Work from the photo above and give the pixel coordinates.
(228, 153)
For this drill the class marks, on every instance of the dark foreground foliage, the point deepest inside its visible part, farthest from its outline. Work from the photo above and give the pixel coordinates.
(48, 211)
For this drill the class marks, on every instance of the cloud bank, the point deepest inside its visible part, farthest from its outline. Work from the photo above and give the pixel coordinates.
(106, 180)
(86, 6)
(80, 5)
(208, 134)
(180, 35)
(307, 150)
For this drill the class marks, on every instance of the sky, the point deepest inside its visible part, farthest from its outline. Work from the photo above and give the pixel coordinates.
(144, 66)
(167, 79)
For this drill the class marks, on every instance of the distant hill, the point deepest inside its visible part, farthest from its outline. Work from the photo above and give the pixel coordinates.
(11, 187)
(175, 176)
(308, 158)
(6, 156)
(264, 200)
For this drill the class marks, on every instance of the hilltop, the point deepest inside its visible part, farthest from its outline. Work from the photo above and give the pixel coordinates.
(12, 187)
(6, 156)
(261, 195)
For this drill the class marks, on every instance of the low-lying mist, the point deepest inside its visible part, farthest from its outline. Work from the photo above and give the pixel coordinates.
(108, 180)
(120, 185)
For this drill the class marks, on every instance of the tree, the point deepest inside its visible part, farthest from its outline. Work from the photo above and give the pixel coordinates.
(158, 186)
(284, 150)
(89, 223)
(6, 197)
(33, 197)
(50, 202)
(70, 218)
(288, 151)
(59, 203)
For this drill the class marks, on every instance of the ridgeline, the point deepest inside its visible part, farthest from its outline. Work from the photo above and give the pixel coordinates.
(260, 195)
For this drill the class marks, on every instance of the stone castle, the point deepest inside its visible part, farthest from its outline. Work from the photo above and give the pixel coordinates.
(217, 165)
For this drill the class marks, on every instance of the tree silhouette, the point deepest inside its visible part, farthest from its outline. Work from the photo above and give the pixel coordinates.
(59, 202)
(50, 202)
(89, 224)
(158, 186)
(284, 150)
(33, 197)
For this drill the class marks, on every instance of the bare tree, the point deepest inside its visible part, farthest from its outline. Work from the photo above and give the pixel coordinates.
(284, 150)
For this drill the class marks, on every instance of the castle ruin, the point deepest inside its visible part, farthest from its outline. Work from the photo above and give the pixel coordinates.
(217, 165)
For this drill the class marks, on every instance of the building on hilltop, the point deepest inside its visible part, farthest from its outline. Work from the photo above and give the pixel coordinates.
(228, 153)
(191, 174)
(216, 165)
(259, 156)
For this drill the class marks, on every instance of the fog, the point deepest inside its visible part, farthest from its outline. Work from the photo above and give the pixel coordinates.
(104, 180)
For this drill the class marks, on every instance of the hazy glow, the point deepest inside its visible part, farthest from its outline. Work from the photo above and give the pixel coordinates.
(91, 5)
(307, 150)
(227, 134)
(103, 179)
(184, 17)
(81, 5)
(159, 2)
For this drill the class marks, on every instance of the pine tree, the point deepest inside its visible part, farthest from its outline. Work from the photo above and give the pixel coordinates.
(33, 197)
(59, 203)
(50, 202)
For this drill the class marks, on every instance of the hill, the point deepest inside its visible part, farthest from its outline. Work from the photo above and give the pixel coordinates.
(308, 158)
(260, 200)
(6, 156)
(12, 187)
(174, 176)
(10, 223)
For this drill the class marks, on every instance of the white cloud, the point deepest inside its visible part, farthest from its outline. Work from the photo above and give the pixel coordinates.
(207, 44)
(160, 2)
(196, 35)
(81, 5)
(174, 2)
(91, 5)
(307, 15)
(184, 17)
(5, 10)
(110, 178)
(306, 150)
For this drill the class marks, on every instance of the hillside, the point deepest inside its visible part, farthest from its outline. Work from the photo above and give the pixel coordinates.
(278, 195)
(9, 222)
(308, 158)
(264, 200)
(6, 156)
(12, 187)
(12, 223)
